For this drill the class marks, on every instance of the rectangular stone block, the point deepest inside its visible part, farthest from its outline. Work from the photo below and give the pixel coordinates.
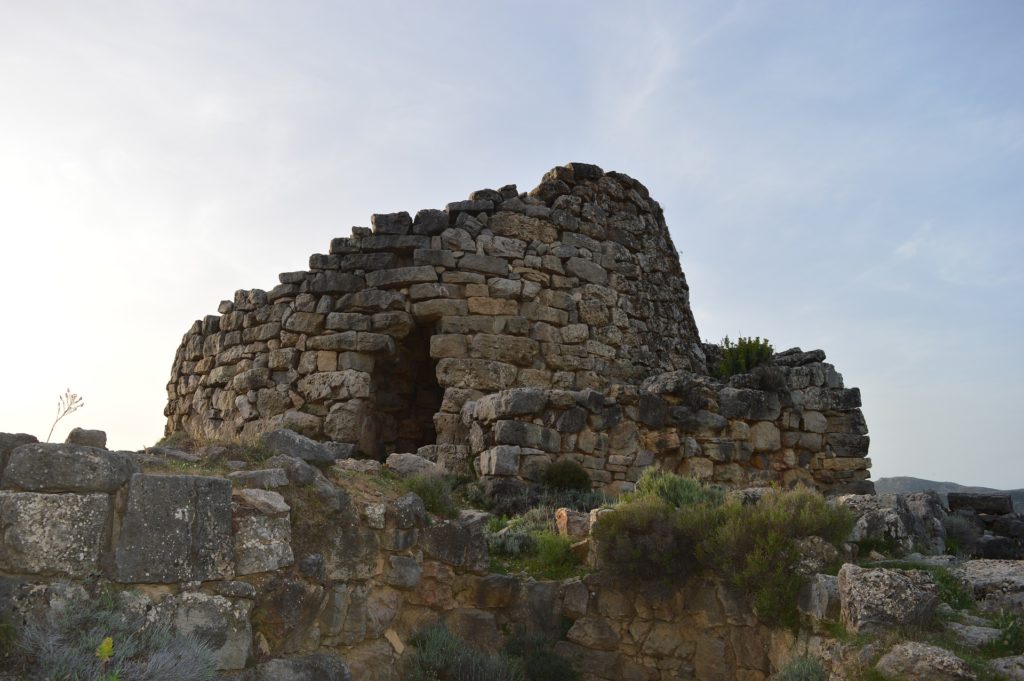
(401, 276)
(527, 435)
(177, 528)
(500, 460)
(53, 534)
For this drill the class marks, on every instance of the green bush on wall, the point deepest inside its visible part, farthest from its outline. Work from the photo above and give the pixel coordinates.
(743, 355)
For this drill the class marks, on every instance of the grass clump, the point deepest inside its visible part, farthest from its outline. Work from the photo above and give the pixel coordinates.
(743, 355)
(528, 543)
(802, 669)
(436, 493)
(1011, 637)
(566, 474)
(439, 655)
(97, 640)
(674, 490)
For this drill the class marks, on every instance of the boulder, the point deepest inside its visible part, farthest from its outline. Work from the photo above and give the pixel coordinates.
(407, 465)
(884, 519)
(996, 584)
(264, 501)
(314, 667)
(87, 438)
(41, 467)
(927, 514)
(973, 635)
(290, 443)
(176, 528)
(914, 661)
(819, 598)
(53, 534)
(595, 633)
(221, 623)
(1010, 667)
(572, 524)
(879, 597)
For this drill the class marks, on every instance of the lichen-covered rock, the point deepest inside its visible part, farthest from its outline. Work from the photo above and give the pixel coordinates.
(1010, 667)
(221, 623)
(41, 467)
(53, 534)
(262, 543)
(882, 518)
(87, 438)
(290, 443)
(9, 442)
(286, 614)
(406, 465)
(914, 661)
(267, 478)
(351, 553)
(874, 598)
(593, 632)
(819, 598)
(314, 667)
(996, 584)
(176, 528)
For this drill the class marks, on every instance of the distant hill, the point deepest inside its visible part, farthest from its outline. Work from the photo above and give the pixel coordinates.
(902, 485)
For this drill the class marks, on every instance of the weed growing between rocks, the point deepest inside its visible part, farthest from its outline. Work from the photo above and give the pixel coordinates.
(802, 669)
(528, 543)
(65, 646)
(674, 490)
(436, 493)
(743, 355)
(440, 655)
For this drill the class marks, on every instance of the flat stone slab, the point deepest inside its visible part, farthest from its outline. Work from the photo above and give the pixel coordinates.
(53, 534)
(177, 528)
(41, 467)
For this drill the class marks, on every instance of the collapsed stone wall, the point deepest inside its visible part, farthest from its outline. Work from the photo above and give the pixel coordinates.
(221, 558)
(400, 338)
(806, 428)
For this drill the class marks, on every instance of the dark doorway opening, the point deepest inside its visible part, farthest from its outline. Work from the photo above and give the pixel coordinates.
(407, 395)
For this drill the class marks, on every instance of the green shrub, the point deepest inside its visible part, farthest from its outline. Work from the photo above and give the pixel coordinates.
(675, 490)
(539, 662)
(643, 539)
(576, 499)
(436, 493)
(439, 655)
(528, 543)
(755, 546)
(65, 643)
(743, 355)
(802, 669)
(566, 474)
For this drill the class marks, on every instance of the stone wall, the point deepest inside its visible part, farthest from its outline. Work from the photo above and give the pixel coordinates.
(256, 574)
(573, 285)
(791, 423)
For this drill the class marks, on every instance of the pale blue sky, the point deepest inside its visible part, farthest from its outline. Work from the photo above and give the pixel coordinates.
(836, 175)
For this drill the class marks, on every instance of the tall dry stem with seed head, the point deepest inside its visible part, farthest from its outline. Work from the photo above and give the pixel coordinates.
(68, 403)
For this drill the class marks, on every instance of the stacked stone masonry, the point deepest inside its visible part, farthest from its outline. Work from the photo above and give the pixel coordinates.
(226, 563)
(403, 336)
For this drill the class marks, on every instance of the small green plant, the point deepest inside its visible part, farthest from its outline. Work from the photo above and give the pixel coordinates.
(675, 490)
(566, 474)
(802, 669)
(436, 493)
(743, 355)
(68, 403)
(77, 641)
(1011, 636)
(439, 655)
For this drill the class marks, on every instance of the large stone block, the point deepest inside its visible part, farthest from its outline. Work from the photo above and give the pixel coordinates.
(872, 599)
(66, 468)
(53, 534)
(479, 374)
(351, 553)
(262, 543)
(527, 435)
(176, 528)
(11, 441)
(219, 622)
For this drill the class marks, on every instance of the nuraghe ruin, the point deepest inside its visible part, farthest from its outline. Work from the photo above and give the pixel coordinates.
(507, 331)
